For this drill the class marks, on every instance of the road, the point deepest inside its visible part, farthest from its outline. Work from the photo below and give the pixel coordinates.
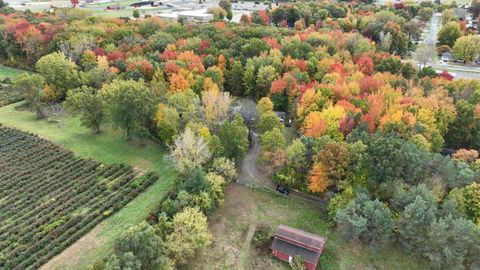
(429, 37)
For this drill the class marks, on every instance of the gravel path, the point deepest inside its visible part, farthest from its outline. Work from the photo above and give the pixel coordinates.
(251, 175)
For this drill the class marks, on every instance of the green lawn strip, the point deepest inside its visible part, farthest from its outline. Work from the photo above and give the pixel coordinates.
(11, 73)
(108, 147)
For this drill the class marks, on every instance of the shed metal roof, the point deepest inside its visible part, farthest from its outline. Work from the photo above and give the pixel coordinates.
(303, 238)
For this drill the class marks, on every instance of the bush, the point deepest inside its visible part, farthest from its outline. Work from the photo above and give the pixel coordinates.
(262, 239)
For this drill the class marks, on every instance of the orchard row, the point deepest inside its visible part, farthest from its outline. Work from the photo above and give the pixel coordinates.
(50, 197)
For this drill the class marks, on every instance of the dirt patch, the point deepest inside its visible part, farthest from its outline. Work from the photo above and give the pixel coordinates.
(70, 256)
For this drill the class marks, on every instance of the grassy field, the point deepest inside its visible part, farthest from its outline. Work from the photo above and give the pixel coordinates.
(244, 209)
(10, 72)
(108, 147)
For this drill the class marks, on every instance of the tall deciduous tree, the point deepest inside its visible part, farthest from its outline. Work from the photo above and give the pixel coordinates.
(233, 79)
(449, 33)
(190, 235)
(215, 104)
(59, 72)
(269, 121)
(168, 122)
(466, 48)
(86, 102)
(130, 105)
(234, 138)
(31, 85)
(189, 152)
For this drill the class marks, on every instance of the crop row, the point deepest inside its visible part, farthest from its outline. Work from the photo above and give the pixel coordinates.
(8, 95)
(50, 197)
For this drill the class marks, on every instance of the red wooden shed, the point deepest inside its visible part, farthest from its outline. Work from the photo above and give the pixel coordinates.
(290, 242)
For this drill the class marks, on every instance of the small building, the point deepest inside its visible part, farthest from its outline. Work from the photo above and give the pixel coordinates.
(290, 242)
(141, 4)
(196, 15)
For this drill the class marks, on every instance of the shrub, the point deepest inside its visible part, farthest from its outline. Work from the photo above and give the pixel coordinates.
(262, 239)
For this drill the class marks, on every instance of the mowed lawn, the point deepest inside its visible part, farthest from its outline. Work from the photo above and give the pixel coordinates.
(245, 208)
(108, 147)
(8, 72)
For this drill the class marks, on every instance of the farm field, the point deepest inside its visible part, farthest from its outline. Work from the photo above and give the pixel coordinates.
(108, 147)
(8, 95)
(244, 209)
(50, 197)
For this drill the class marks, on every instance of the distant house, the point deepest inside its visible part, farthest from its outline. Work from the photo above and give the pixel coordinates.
(141, 4)
(200, 16)
(290, 242)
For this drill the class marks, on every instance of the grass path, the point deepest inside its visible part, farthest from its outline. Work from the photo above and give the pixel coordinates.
(108, 147)
(245, 251)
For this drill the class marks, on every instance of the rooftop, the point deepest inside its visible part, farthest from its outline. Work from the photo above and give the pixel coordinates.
(297, 236)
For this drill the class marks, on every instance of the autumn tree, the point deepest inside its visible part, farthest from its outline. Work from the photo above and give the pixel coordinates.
(168, 122)
(187, 105)
(86, 102)
(335, 158)
(224, 167)
(297, 155)
(318, 179)
(130, 105)
(268, 121)
(31, 85)
(226, 5)
(59, 72)
(471, 196)
(449, 33)
(466, 48)
(189, 152)
(190, 235)
(265, 105)
(217, 183)
(273, 149)
(215, 104)
(265, 77)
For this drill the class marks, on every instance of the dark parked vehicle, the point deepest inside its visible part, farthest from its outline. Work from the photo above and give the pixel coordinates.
(283, 189)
